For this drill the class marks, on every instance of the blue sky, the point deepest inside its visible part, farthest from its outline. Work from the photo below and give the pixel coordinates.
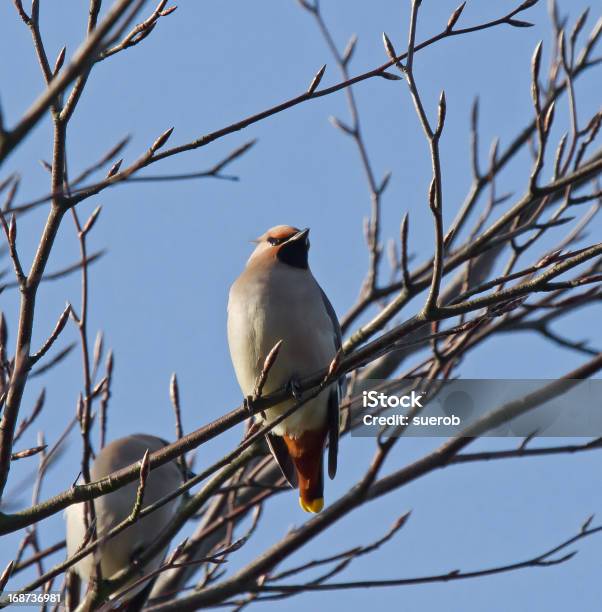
(160, 293)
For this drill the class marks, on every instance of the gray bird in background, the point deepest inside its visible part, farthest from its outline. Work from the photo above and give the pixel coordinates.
(118, 553)
(277, 298)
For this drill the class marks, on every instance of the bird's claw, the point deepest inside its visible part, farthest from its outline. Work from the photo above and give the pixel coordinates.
(248, 404)
(294, 388)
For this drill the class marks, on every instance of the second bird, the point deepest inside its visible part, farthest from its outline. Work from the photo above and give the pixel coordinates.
(277, 298)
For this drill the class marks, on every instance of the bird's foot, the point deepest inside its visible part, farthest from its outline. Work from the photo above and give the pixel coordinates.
(248, 402)
(294, 388)
(249, 405)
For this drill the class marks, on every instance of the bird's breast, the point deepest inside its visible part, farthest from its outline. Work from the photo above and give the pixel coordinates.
(264, 309)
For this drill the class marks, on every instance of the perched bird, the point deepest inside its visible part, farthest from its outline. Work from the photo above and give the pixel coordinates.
(118, 553)
(277, 298)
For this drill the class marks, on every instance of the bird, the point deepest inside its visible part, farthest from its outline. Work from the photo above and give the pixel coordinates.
(121, 551)
(276, 298)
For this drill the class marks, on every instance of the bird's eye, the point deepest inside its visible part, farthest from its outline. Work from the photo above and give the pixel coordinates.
(274, 241)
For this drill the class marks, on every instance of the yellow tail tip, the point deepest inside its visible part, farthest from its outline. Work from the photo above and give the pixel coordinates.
(314, 505)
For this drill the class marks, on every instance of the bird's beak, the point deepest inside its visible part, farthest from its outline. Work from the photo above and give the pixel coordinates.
(300, 235)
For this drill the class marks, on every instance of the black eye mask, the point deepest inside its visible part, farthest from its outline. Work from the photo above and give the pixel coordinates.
(294, 253)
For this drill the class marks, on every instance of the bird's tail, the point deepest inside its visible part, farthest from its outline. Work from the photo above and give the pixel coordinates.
(307, 453)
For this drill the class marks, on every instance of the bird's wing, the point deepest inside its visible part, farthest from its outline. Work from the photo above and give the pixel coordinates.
(336, 393)
(282, 457)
